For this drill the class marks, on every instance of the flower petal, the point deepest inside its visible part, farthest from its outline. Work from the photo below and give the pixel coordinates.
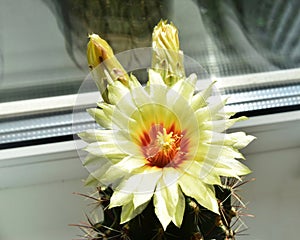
(120, 198)
(203, 171)
(169, 201)
(107, 108)
(105, 149)
(175, 201)
(218, 151)
(199, 99)
(100, 117)
(180, 208)
(221, 125)
(159, 93)
(238, 139)
(140, 96)
(203, 193)
(121, 170)
(160, 203)
(130, 163)
(97, 166)
(101, 135)
(144, 191)
(155, 78)
(121, 122)
(129, 212)
(116, 91)
(186, 87)
(231, 168)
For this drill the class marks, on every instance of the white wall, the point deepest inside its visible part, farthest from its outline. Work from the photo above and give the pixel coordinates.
(274, 196)
(41, 212)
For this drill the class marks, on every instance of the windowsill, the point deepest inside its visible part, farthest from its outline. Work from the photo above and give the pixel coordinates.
(60, 161)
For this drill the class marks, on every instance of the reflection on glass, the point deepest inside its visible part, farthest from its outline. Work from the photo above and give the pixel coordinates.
(233, 37)
(44, 51)
(45, 41)
(254, 36)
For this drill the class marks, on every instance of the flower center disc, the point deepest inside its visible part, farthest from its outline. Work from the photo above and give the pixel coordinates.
(162, 147)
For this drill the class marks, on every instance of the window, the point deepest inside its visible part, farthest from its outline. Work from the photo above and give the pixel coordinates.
(253, 49)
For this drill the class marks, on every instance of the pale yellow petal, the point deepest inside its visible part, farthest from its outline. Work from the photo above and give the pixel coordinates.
(199, 99)
(129, 212)
(202, 115)
(172, 194)
(238, 140)
(126, 106)
(123, 169)
(159, 93)
(130, 163)
(186, 87)
(221, 125)
(134, 82)
(101, 135)
(160, 204)
(97, 170)
(203, 171)
(203, 193)
(100, 117)
(180, 208)
(218, 151)
(107, 108)
(116, 92)
(105, 149)
(120, 120)
(120, 198)
(91, 181)
(169, 201)
(231, 168)
(112, 177)
(145, 189)
(140, 96)
(155, 78)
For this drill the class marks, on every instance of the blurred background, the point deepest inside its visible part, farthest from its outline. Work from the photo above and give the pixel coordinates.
(251, 47)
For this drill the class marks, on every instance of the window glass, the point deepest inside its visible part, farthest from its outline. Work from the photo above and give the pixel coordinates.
(252, 47)
(44, 42)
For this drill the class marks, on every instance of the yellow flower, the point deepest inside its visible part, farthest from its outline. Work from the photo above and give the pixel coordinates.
(161, 143)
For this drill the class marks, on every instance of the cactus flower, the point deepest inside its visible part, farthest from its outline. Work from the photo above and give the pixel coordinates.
(161, 143)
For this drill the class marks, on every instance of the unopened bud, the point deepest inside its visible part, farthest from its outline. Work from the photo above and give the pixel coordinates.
(110, 70)
(167, 57)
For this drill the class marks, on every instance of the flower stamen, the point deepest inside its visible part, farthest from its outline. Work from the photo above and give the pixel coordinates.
(163, 148)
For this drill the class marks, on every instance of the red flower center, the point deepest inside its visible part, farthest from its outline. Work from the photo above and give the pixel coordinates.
(162, 147)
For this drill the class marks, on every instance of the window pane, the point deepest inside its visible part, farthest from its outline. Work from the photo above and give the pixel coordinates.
(252, 47)
(43, 43)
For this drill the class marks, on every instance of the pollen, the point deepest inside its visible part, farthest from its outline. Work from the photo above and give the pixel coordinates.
(164, 148)
(165, 140)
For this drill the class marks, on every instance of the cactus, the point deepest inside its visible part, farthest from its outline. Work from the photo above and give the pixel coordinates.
(159, 175)
(198, 222)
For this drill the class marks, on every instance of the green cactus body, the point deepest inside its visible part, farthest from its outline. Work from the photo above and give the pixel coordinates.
(198, 223)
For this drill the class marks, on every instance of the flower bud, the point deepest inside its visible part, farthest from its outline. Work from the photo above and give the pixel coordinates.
(99, 52)
(167, 57)
(165, 36)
